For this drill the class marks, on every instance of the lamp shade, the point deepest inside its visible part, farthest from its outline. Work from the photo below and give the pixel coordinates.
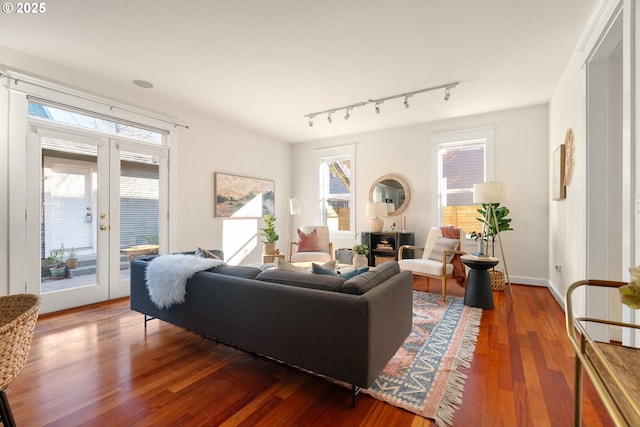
(376, 209)
(294, 207)
(491, 192)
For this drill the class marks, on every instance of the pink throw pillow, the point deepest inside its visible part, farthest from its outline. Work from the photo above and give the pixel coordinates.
(307, 242)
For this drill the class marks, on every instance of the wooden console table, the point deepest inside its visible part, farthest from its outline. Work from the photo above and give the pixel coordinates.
(612, 368)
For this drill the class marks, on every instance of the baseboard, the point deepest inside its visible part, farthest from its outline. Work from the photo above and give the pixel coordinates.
(531, 281)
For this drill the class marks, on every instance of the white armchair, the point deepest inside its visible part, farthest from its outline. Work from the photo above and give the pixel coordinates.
(322, 251)
(437, 257)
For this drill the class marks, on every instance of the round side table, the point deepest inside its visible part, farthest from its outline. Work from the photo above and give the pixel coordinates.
(478, 292)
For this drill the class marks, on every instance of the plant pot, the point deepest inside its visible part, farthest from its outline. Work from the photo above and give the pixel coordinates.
(72, 263)
(360, 260)
(269, 248)
(57, 272)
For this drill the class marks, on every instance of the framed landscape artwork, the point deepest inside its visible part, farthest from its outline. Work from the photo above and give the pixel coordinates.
(242, 197)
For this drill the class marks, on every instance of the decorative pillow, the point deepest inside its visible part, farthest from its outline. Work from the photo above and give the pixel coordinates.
(443, 244)
(307, 242)
(317, 269)
(203, 253)
(281, 264)
(286, 265)
(352, 273)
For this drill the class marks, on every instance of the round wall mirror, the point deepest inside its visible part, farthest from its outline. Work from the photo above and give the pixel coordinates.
(392, 190)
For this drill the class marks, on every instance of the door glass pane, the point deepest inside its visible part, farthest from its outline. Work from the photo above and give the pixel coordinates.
(68, 227)
(139, 207)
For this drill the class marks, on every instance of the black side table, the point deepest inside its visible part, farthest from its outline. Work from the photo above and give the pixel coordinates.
(478, 292)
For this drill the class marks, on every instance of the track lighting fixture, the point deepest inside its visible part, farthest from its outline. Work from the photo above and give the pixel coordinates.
(347, 108)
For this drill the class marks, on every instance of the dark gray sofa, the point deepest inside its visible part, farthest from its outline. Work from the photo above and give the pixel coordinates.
(347, 330)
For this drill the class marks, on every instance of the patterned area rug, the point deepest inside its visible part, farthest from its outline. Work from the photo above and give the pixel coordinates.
(423, 377)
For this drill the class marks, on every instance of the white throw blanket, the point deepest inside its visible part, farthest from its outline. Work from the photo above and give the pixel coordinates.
(167, 275)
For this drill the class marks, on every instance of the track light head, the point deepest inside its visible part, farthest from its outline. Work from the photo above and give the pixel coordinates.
(347, 114)
(406, 101)
(377, 108)
(447, 93)
(311, 121)
(329, 119)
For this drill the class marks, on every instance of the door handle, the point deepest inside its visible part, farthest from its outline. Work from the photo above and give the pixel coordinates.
(105, 227)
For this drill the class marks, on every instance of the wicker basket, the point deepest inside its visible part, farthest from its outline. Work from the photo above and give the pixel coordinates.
(18, 315)
(497, 280)
(379, 259)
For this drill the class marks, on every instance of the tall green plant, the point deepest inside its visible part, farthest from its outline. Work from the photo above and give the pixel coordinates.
(503, 223)
(269, 230)
(494, 224)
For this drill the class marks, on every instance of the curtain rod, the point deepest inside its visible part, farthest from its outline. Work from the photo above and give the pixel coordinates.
(86, 97)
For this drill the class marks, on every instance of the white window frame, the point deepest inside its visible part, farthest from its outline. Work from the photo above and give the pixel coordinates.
(462, 138)
(323, 155)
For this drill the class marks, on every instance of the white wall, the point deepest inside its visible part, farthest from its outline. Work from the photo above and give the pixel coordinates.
(209, 145)
(521, 158)
(568, 217)
(213, 146)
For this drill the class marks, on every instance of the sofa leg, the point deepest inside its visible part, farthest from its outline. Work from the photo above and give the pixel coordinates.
(354, 392)
(444, 289)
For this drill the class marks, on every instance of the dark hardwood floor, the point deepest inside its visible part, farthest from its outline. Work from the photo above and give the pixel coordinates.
(97, 366)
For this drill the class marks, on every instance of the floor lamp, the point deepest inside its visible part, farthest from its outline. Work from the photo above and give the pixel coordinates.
(492, 193)
(294, 209)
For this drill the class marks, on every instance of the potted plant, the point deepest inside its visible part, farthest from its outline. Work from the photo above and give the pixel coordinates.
(360, 258)
(498, 223)
(55, 263)
(72, 259)
(269, 234)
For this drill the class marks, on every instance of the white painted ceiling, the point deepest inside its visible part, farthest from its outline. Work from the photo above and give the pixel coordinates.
(264, 64)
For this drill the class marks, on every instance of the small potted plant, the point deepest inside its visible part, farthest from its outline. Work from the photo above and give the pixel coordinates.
(55, 263)
(269, 234)
(360, 256)
(72, 259)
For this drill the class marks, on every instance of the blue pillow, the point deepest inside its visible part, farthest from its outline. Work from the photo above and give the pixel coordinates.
(351, 273)
(318, 269)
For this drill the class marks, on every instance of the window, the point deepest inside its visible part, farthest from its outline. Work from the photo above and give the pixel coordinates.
(463, 159)
(336, 190)
(93, 121)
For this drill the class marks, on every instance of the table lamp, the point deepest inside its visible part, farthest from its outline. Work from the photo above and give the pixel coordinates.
(375, 211)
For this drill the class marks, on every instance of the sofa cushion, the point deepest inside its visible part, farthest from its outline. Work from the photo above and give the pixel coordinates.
(302, 279)
(243, 271)
(443, 244)
(362, 283)
(425, 266)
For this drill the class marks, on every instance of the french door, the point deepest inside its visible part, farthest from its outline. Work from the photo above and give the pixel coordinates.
(92, 197)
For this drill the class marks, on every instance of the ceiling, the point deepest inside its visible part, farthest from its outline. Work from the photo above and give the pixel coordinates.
(265, 64)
